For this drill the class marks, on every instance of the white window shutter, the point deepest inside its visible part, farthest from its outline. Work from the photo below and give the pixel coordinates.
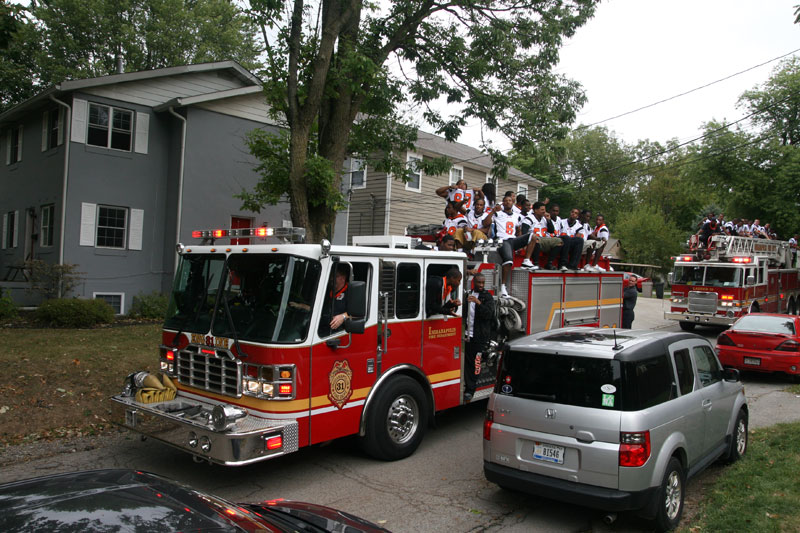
(61, 114)
(142, 132)
(16, 230)
(5, 229)
(44, 131)
(79, 118)
(137, 227)
(88, 217)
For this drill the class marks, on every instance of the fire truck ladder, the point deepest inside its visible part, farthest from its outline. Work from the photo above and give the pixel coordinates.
(729, 246)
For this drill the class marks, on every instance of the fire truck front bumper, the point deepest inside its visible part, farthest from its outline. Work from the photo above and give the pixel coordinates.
(214, 432)
(701, 319)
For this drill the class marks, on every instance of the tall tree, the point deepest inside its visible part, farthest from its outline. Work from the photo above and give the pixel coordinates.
(334, 60)
(776, 104)
(69, 39)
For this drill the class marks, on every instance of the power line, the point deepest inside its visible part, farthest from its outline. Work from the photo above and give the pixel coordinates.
(689, 91)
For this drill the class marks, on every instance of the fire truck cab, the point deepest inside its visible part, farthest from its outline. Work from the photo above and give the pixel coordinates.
(733, 276)
(259, 368)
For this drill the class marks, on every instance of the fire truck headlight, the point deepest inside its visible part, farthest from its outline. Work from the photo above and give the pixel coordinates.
(252, 386)
(268, 389)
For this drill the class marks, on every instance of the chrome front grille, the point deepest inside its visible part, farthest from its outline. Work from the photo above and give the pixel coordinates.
(218, 372)
(702, 302)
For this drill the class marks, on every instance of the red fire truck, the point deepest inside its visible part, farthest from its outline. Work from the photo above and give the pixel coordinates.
(251, 370)
(734, 276)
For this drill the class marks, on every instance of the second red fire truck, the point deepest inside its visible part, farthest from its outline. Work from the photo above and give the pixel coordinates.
(251, 370)
(734, 276)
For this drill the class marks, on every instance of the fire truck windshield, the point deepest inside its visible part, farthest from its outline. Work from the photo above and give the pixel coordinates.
(254, 297)
(709, 276)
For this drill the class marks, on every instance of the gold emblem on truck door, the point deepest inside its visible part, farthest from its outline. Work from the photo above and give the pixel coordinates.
(340, 378)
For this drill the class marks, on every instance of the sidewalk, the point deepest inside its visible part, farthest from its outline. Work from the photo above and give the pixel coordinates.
(649, 314)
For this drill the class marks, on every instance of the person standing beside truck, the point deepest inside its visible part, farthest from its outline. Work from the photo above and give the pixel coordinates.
(480, 311)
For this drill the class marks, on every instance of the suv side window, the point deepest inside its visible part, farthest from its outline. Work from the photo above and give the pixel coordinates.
(683, 365)
(708, 370)
(649, 382)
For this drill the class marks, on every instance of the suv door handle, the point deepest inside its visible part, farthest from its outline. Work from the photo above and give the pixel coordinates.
(707, 403)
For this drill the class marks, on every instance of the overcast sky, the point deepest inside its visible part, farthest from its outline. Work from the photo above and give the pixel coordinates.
(637, 52)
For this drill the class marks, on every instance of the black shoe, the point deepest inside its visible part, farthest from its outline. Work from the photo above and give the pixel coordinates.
(467, 397)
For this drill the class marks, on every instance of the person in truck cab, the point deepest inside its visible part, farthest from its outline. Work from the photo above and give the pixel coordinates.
(441, 296)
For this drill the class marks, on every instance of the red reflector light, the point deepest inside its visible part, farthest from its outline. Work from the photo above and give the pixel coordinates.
(724, 340)
(273, 443)
(230, 512)
(261, 232)
(197, 234)
(170, 356)
(788, 346)
(208, 352)
(285, 388)
(217, 233)
(686, 258)
(634, 448)
(487, 425)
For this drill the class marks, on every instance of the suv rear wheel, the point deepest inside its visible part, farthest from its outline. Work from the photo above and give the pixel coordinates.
(687, 326)
(670, 496)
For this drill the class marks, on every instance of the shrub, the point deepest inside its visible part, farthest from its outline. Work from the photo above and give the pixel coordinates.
(74, 313)
(153, 305)
(7, 307)
(46, 278)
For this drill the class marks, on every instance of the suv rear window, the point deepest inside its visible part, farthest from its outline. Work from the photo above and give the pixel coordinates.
(586, 381)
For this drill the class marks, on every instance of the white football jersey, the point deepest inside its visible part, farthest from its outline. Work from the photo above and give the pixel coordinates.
(453, 224)
(476, 221)
(506, 225)
(564, 228)
(461, 195)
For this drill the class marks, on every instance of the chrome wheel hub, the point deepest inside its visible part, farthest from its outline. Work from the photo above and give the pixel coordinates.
(402, 419)
(741, 437)
(673, 495)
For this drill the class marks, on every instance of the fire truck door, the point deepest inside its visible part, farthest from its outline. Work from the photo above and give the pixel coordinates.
(401, 302)
(581, 295)
(342, 364)
(442, 347)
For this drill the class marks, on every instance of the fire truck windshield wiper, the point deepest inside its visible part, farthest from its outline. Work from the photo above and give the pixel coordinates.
(229, 318)
(196, 313)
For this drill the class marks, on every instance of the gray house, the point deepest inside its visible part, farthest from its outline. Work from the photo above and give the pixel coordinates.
(109, 173)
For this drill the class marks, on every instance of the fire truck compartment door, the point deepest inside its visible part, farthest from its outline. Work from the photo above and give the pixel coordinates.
(545, 311)
(581, 300)
(610, 301)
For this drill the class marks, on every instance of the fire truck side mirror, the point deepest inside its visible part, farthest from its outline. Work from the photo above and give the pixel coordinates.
(751, 280)
(357, 299)
(670, 277)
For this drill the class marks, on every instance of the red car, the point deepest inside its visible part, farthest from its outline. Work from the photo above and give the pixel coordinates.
(763, 342)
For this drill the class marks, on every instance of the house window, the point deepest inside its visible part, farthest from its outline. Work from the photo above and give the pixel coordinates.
(14, 148)
(110, 127)
(456, 173)
(414, 182)
(115, 299)
(111, 223)
(46, 230)
(522, 188)
(51, 129)
(10, 229)
(358, 174)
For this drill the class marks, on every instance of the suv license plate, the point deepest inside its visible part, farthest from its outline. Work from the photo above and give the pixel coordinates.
(752, 361)
(548, 452)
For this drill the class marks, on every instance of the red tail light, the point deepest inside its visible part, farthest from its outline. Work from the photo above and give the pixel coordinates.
(285, 388)
(788, 346)
(634, 448)
(725, 340)
(487, 425)
(273, 443)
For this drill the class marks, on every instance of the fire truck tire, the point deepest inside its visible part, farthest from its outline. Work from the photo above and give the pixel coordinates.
(754, 308)
(396, 422)
(687, 326)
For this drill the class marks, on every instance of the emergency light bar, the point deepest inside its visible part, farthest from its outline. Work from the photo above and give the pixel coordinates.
(742, 259)
(261, 232)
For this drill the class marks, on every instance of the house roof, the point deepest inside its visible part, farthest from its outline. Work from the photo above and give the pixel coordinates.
(208, 97)
(461, 153)
(233, 68)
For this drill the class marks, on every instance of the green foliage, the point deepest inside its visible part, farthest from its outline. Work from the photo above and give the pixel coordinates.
(153, 305)
(777, 103)
(761, 490)
(7, 307)
(72, 39)
(74, 313)
(647, 237)
(46, 278)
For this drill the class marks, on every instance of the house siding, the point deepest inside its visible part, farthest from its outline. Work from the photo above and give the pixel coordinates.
(367, 207)
(250, 107)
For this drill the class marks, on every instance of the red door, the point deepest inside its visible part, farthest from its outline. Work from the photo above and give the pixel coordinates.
(239, 223)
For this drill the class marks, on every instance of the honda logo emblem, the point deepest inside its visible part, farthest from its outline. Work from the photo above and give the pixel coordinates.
(550, 414)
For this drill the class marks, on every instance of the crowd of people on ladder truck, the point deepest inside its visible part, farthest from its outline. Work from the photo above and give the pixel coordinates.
(270, 347)
(514, 227)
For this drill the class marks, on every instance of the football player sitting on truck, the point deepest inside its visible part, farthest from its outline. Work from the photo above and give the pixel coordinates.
(709, 229)
(599, 235)
(507, 225)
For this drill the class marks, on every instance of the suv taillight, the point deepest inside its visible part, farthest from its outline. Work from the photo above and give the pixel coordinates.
(487, 425)
(634, 448)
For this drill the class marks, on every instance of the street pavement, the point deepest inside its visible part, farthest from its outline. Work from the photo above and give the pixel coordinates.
(439, 488)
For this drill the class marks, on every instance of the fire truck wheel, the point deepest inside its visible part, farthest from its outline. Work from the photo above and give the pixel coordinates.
(397, 420)
(687, 326)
